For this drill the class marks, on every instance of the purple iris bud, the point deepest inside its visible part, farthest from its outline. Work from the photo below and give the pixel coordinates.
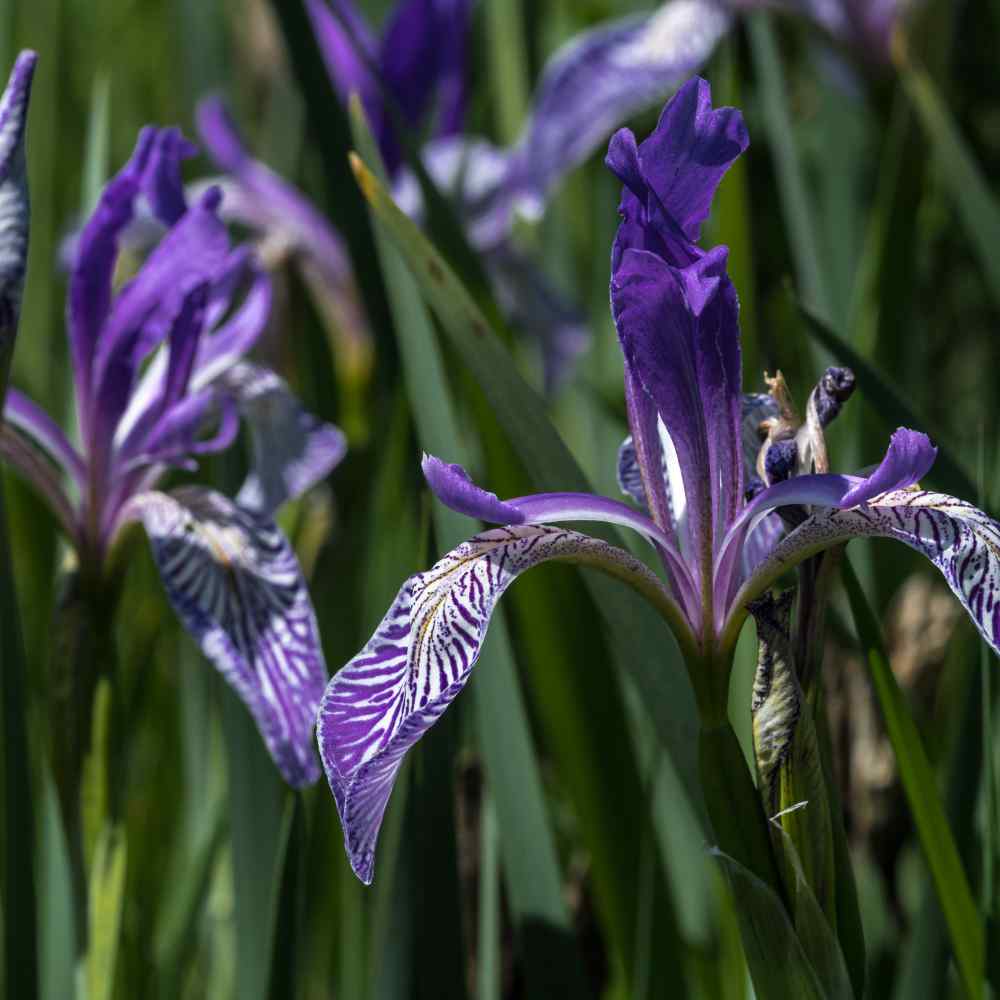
(687, 465)
(160, 380)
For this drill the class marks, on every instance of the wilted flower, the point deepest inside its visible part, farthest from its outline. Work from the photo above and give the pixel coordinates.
(160, 378)
(675, 310)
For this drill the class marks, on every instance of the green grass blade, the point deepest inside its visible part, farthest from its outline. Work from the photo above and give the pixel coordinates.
(920, 786)
(258, 836)
(20, 947)
(976, 205)
(528, 849)
(107, 898)
(57, 933)
(795, 201)
(96, 155)
(488, 953)
(508, 68)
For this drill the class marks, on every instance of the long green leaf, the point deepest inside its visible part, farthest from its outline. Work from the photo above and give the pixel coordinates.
(527, 847)
(976, 204)
(795, 201)
(57, 933)
(20, 947)
(259, 837)
(920, 786)
(107, 898)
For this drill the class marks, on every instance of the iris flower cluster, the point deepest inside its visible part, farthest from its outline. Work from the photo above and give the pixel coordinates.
(706, 510)
(161, 378)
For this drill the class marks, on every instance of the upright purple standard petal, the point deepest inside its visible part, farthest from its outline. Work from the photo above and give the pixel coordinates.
(236, 585)
(604, 77)
(417, 662)
(14, 206)
(682, 162)
(679, 334)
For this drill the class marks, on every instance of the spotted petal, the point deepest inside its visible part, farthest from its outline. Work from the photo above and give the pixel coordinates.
(13, 197)
(960, 540)
(236, 585)
(417, 662)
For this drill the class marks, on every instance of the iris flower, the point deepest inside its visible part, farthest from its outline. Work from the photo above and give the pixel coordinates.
(161, 378)
(675, 310)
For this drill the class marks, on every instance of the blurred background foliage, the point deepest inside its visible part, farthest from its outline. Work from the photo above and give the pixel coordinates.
(864, 215)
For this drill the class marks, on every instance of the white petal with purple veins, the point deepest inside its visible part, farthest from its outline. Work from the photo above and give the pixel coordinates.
(236, 585)
(960, 540)
(418, 660)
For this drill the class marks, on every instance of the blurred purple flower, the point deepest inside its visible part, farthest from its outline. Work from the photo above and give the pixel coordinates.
(687, 464)
(160, 378)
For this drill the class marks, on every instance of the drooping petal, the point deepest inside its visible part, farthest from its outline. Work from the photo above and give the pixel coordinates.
(602, 78)
(292, 449)
(454, 488)
(960, 540)
(14, 205)
(236, 585)
(417, 662)
(908, 460)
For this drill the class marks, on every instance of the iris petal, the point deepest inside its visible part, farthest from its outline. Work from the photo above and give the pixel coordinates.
(420, 657)
(236, 585)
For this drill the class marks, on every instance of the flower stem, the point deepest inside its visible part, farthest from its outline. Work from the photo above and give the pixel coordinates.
(734, 806)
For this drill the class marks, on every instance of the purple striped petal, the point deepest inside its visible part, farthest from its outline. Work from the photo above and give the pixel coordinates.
(630, 475)
(292, 449)
(14, 204)
(602, 78)
(417, 662)
(960, 540)
(236, 585)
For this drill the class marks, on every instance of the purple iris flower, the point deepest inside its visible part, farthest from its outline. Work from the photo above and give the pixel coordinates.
(161, 377)
(687, 463)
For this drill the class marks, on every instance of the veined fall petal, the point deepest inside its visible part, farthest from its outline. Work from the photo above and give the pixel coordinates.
(420, 657)
(236, 584)
(14, 202)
